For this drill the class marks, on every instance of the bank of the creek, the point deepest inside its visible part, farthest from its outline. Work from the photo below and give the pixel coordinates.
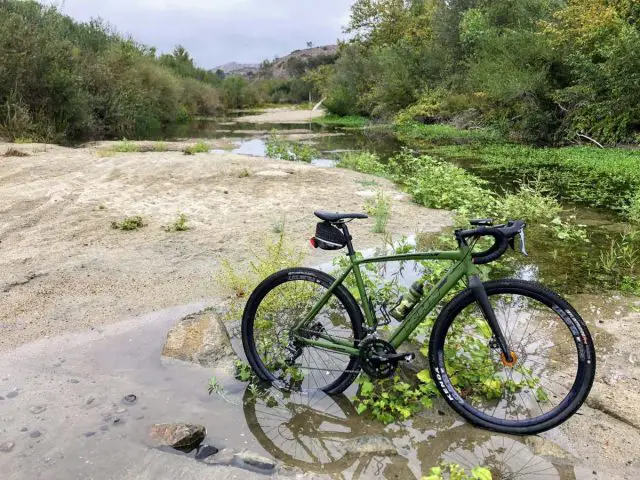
(76, 334)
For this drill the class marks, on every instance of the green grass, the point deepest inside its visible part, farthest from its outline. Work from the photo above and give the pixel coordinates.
(160, 147)
(364, 162)
(125, 147)
(200, 147)
(352, 121)
(607, 178)
(180, 225)
(420, 135)
(23, 140)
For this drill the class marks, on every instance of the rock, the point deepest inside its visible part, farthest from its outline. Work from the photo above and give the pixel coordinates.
(138, 417)
(89, 401)
(13, 393)
(89, 434)
(35, 434)
(6, 447)
(255, 460)
(180, 436)
(121, 410)
(375, 444)
(616, 401)
(201, 338)
(205, 451)
(117, 421)
(130, 399)
(74, 381)
(225, 456)
(37, 409)
(104, 428)
(24, 429)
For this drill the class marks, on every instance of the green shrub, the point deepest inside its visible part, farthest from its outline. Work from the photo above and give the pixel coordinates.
(125, 147)
(129, 223)
(160, 147)
(281, 149)
(364, 162)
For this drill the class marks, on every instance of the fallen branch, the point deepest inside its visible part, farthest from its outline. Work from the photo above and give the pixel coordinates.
(591, 139)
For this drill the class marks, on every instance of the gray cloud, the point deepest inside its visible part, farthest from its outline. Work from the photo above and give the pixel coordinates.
(220, 31)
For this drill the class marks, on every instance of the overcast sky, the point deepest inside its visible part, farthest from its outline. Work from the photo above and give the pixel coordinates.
(220, 31)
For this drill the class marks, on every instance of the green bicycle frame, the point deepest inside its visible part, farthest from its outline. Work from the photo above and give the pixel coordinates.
(462, 268)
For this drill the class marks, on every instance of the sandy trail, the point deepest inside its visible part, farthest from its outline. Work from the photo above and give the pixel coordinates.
(279, 115)
(65, 269)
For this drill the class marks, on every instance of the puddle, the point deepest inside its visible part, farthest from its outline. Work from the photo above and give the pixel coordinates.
(307, 432)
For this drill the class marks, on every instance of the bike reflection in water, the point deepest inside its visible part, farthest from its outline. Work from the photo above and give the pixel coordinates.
(313, 432)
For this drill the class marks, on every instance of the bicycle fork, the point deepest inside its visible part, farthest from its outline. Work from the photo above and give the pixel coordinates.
(477, 288)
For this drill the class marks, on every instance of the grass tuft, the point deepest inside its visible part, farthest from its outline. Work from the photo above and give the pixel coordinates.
(180, 225)
(200, 147)
(129, 223)
(12, 152)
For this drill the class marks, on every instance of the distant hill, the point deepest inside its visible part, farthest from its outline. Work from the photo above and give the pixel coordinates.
(298, 61)
(293, 65)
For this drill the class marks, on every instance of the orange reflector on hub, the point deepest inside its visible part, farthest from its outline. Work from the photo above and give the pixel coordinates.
(313, 242)
(507, 363)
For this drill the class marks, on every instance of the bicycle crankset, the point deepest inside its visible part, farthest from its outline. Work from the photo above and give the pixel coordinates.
(379, 359)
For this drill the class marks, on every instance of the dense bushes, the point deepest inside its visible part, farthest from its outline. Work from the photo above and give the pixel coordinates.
(542, 72)
(63, 81)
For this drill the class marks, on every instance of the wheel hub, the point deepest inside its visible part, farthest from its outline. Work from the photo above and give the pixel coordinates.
(373, 358)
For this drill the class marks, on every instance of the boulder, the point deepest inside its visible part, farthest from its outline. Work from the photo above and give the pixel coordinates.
(254, 460)
(200, 338)
(181, 436)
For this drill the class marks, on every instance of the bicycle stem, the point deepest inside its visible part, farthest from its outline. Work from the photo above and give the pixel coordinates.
(475, 284)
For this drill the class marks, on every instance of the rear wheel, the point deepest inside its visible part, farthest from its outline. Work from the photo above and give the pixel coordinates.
(554, 363)
(276, 305)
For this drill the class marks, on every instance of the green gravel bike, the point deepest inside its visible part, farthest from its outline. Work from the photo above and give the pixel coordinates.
(507, 355)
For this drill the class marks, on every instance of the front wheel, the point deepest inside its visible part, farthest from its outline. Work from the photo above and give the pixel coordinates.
(547, 381)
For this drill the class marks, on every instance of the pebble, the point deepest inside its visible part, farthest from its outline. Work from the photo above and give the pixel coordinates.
(118, 421)
(205, 451)
(6, 447)
(37, 409)
(104, 428)
(121, 410)
(24, 429)
(35, 434)
(74, 380)
(130, 399)
(89, 401)
(12, 394)
(139, 417)
(89, 434)
(256, 460)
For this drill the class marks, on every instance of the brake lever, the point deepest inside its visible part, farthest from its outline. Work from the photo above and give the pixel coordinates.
(522, 243)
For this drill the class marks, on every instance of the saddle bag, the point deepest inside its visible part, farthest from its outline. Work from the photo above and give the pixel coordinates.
(328, 237)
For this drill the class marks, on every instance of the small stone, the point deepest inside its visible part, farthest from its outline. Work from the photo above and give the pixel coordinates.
(89, 401)
(6, 447)
(374, 444)
(226, 192)
(104, 428)
(35, 434)
(225, 456)
(205, 451)
(255, 460)
(24, 429)
(130, 399)
(180, 436)
(12, 393)
(37, 409)
(121, 410)
(89, 434)
(139, 417)
(118, 421)
(74, 380)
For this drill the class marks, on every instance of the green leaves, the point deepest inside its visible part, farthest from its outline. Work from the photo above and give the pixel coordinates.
(424, 376)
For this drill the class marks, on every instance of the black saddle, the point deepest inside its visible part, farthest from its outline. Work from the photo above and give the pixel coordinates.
(337, 217)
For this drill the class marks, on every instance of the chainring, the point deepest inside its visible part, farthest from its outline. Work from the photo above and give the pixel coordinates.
(371, 351)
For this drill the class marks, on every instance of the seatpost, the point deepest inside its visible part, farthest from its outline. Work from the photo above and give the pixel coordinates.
(348, 237)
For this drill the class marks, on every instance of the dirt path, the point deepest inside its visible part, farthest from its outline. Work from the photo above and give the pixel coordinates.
(278, 115)
(65, 269)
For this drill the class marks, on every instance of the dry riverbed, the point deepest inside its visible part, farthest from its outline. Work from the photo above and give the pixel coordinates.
(65, 269)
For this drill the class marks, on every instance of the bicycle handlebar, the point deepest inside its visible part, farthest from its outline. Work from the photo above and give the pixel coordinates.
(502, 235)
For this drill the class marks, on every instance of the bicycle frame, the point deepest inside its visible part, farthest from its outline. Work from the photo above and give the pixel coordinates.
(462, 268)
